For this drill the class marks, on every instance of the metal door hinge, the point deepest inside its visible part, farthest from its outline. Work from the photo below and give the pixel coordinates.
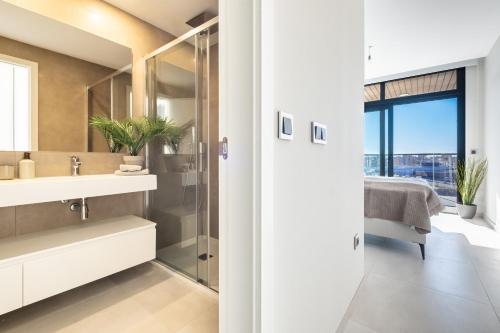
(223, 148)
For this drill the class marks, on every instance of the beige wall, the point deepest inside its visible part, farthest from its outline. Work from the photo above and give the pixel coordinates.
(109, 22)
(61, 94)
(23, 219)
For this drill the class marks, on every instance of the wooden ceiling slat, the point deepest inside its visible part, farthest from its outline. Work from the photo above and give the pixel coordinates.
(397, 88)
(424, 84)
(420, 85)
(374, 92)
(446, 81)
(373, 95)
(443, 85)
(394, 92)
(436, 83)
(432, 85)
(401, 86)
(367, 93)
(453, 82)
(389, 90)
(408, 87)
(439, 82)
(427, 86)
(368, 97)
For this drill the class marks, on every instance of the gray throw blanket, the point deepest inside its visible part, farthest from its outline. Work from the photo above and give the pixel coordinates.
(409, 201)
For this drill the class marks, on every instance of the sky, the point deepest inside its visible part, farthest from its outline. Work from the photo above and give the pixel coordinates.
(425, 127)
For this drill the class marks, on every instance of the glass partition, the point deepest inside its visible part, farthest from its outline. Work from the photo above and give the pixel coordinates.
(182, 87)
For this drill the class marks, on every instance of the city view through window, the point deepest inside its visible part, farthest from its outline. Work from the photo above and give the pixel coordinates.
(424, 144)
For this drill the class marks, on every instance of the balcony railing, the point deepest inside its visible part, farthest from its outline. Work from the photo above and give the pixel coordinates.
(439, 169)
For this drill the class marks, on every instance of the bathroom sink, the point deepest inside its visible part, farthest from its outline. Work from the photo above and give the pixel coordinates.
(45, 189)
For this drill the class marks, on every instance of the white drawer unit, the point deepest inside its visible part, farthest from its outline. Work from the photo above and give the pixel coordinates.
(40, 265)
(11, 288)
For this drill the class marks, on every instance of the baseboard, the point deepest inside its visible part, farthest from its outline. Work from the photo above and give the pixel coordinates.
(490, 222)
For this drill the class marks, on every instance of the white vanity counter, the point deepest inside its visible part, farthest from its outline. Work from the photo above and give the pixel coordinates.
(45, 189)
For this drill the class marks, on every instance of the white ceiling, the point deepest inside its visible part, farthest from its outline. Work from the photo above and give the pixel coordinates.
(409, 35)
(30, 28)
(168, 15)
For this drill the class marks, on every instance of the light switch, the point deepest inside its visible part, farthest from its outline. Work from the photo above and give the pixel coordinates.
(285, 126)
(318, 133)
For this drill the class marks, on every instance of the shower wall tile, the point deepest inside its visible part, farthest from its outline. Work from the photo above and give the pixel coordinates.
(116, 205)
(7, 222)
(38, 217)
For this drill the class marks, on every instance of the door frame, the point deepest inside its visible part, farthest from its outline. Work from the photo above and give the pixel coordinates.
(246, 177)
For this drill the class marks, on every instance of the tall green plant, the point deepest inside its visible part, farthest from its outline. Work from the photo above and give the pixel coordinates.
(469, 177)
(105, 126)
(135, 133)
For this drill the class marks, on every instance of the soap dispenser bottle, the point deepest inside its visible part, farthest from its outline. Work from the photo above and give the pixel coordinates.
(26, 167)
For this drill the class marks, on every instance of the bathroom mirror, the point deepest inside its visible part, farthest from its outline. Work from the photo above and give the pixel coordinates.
(53, 79)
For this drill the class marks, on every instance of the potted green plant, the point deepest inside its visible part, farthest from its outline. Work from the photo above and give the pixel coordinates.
(134, 134)
(105, 126)
(469, 177)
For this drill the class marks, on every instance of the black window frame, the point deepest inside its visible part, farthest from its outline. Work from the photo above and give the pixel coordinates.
(388, 104)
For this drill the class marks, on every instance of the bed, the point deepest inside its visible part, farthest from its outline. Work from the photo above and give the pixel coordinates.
(400, 208)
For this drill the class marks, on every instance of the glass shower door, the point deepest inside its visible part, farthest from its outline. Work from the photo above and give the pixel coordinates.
(173, 206)
(185, 205)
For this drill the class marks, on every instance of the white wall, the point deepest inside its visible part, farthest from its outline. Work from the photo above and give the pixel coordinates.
(474, 121)
(318, 189)
(491, 109)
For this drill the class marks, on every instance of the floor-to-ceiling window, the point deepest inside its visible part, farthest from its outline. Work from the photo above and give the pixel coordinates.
(414, 127)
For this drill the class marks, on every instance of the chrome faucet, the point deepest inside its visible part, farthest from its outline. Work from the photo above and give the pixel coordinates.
(75, 165)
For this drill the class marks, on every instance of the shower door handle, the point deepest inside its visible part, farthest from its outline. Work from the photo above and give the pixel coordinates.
(223, 148)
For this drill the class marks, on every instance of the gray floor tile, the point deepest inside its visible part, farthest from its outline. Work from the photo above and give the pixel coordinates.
(386, 305)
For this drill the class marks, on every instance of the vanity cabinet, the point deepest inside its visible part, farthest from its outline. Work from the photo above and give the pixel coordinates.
(40, 265)
(11, 288)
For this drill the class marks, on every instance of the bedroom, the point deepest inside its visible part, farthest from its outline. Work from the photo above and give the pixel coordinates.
(432, 82)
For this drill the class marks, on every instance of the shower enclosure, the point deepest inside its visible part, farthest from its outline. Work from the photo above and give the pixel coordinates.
(182, 86)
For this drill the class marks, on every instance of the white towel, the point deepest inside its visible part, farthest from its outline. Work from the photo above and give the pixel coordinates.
(129, 167)
(132, 173)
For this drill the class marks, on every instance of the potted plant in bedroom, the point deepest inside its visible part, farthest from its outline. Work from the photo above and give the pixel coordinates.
(135, 133)
(469, 177)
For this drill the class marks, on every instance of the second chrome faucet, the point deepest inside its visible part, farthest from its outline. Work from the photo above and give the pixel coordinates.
(75, 165)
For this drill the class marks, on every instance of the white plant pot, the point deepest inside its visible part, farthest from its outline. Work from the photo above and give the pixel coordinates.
(134, 160)
(466, 211)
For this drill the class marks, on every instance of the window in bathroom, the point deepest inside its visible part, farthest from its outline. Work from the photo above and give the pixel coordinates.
(18, 120)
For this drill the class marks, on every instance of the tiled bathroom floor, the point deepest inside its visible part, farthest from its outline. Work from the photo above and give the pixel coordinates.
(147, 298)
(456, 289)
(185, 259)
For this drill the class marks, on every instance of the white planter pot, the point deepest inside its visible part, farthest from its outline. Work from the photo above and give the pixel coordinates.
(466, 211)
(134, 160)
